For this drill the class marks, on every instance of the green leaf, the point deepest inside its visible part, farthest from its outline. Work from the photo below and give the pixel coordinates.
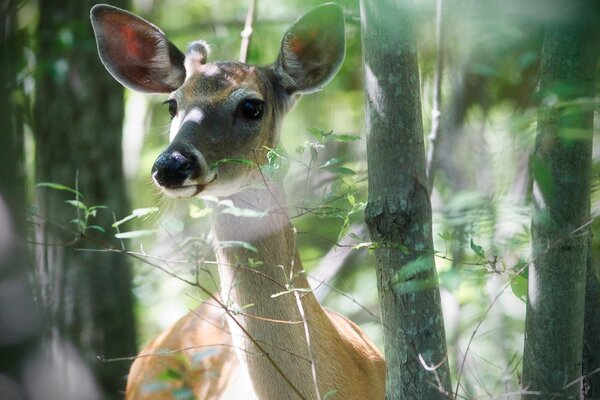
(231, 160)
(137, 213)
(343, 138)
(317, 133)
(446, 236)
(403, 248)
(235, 243)
(411, 270)
(519, 287)
(330, 394)
(197, 212)
(252, 263)
(169, 374)
(344, 228)
(236, 308)
(135, 234)
(351, 199)
(80, 224)
(363, 245)
(331, 162)
(97, 207)
(58, 186)
(174, 225)
(244, 212)
(477, 249)
(278, 163)
(543, 177)
(77, 204)
(415, 285)
(122, 221)
(142, 212)
(341, 171)
(97, 228)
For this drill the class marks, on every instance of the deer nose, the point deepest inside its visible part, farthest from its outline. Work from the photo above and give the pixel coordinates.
(172, 168)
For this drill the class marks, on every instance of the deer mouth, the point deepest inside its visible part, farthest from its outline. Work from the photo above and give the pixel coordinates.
(187, 190)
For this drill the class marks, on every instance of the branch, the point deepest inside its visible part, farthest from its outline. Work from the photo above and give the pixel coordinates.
(247, 32)
(436, 113)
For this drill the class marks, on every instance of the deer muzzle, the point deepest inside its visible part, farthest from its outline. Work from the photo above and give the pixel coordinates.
(181, 172)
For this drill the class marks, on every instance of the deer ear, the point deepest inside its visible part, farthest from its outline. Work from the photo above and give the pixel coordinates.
(136, 52)
(312, 50)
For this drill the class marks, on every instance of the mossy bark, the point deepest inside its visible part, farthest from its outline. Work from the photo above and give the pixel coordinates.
(399, 211)
(561, 167)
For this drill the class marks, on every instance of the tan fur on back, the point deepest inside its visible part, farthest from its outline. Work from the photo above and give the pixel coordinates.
(200, 331)
(219, 376)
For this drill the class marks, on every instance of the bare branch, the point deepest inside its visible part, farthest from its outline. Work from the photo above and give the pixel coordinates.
(247, 32)
(437, 97)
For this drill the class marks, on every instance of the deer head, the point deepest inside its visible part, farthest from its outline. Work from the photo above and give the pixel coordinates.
(221, 110)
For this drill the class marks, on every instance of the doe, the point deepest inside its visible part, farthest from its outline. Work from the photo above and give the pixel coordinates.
(231, 110)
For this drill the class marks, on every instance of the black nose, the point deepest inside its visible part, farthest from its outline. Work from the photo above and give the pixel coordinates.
(172, 168)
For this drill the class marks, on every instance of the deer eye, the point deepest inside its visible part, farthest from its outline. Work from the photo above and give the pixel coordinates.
(252, 108)
(172, 107)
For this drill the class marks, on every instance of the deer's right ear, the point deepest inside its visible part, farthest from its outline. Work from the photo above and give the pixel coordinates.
(136, 52)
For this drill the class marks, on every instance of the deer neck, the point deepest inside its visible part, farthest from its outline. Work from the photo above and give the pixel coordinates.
(256, 277)
(256, 252)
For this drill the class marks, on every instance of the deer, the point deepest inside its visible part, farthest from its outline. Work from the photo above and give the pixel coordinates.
(285, 345)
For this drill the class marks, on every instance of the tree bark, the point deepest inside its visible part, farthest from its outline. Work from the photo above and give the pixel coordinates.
(77, 124)
(591, 331)
(20, 327)
(561, 168)
(399, 212)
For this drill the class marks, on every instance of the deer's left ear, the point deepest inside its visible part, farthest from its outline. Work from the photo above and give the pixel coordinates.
(312, 50)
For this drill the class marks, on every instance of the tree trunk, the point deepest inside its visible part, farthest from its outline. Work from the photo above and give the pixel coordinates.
(591, 331)
(20, 327)
(77, 123)
(12, 162)
(561, 167)
(399, 212)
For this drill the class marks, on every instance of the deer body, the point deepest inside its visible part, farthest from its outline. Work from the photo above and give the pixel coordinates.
(286, 345)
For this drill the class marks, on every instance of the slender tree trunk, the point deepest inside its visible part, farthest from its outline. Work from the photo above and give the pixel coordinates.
(12, 162)
(561, 167)
(399, 212)
(78, 121)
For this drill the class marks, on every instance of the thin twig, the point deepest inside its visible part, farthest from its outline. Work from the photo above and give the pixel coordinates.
(164, 353)
(462, 364)
(247, 32)
(297, 297)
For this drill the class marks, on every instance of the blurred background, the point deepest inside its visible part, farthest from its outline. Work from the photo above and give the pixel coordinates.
(77, 151)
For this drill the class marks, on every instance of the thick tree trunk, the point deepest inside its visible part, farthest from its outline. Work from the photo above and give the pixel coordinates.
(20, 327)
(399, 211)
(78, 121)
(561, 167)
